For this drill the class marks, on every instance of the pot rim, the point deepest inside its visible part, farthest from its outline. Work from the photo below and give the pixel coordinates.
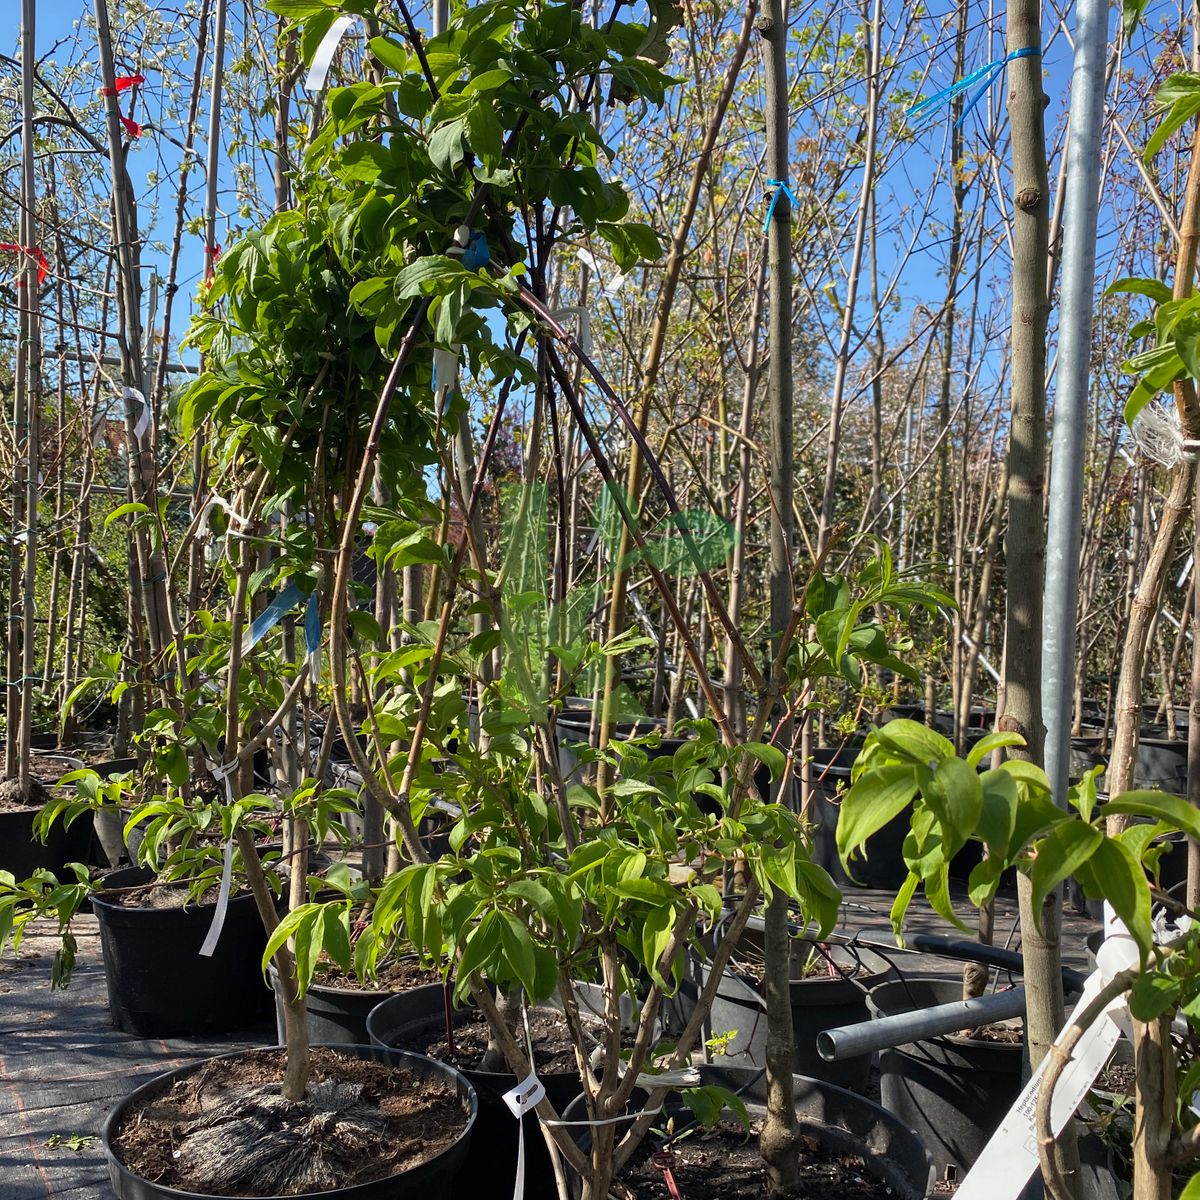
(106, 1131)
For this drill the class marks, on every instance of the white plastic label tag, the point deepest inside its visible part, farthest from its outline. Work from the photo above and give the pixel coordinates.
(1011, 1156)
(525, 1097)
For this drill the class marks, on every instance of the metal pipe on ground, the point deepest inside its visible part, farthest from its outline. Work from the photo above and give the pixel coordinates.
(886, 1032)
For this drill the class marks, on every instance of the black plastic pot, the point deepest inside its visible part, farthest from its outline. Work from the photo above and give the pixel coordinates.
(402, 1020)
(430, 1180)
(883, 866)
(952, 1091)
(818, 1003)
(22, 854)
(943, 722)
(836, 1119)
(158, 983)
(336, 1016)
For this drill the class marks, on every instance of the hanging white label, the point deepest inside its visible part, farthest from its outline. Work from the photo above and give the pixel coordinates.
(218, 921)
(143, 419)
(525, 1097)
(318, 71)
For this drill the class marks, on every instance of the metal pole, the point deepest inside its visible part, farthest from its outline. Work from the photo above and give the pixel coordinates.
(885, 1032)
(1072, 386)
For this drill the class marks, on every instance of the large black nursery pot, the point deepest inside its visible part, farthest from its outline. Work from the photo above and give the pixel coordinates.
(838, 1120)
(819, 1002)
(405, 1018)
(952, 1091)
(22, 853)
(429, 1180)
(883, 866)
(159, 985)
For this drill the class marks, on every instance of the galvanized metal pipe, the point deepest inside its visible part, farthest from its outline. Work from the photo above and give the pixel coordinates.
(886, 1032)
(1071, 389)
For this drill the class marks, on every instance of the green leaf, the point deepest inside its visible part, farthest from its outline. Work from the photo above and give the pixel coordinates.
(1153, 995)
(937, 891)
(335, 934)
(998, 811)
(485, 133)
(1154, 288)
(1161, 806)
(914, 741)
(1059, 854)
(446, 146)
(955, 795)
(1191, 1189)
(1155, 380)
(708, 1102)
(770, 756)
(1122, 882)
(124, 510)
(519, 953)
(989, 742)
(390, 54)
(298, 10)
(1187, 342)
(872, 801)
(428, 275)
(900, 905)
(1182, 110)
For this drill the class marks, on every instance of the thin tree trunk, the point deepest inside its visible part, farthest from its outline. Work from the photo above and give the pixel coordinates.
(1025, 547)
(778, 1141)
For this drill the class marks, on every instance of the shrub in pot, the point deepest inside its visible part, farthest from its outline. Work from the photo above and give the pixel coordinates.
(597, 886)
(1010, 810)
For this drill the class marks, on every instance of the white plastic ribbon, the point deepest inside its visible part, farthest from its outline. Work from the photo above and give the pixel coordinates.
(318, 70)
(589, 260)
(525, 1097)
(143, 421)
(221, 771)
(1011, 1156)
(583, 326)
(445, 374)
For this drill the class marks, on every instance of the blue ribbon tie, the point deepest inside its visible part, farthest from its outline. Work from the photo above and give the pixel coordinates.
(272, 615)
(985, 76)
(781, 189)
(477, 253)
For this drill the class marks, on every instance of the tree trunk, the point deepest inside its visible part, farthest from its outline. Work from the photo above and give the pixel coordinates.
(779, 1135)
(1025, 546)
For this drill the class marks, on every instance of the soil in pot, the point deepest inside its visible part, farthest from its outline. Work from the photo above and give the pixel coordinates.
(415, 1020)
(225, 1130)
(553, 1050)
(850, 1146)
(724, 1163)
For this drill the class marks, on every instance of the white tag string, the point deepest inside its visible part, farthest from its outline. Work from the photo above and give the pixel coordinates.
(221, 772)
(527, 1095)
(314, 81)
(1159, 436)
